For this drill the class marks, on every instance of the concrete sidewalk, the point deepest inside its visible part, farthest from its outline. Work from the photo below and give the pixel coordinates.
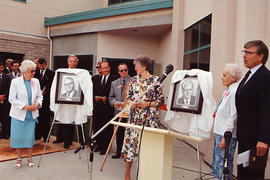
(68, 166)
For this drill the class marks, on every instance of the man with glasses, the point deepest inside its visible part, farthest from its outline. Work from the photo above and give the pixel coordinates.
(116, 98)
(253, 110)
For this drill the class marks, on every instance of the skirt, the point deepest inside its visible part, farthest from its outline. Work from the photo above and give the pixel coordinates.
(22, 134)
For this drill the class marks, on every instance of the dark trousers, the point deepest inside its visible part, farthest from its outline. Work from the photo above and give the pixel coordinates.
(65, 133)
(43, 126)
(248, 173)
(120, 137)
(103, 113)
(5, 119)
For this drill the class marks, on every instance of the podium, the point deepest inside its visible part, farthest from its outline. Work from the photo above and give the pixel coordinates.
(156, 152)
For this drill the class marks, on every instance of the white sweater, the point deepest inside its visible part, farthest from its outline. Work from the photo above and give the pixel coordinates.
(226, 115)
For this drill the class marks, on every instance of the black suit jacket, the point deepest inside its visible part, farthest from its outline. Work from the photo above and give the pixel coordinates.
(45, 84)
(253, 110)
(4, 86)
(98, 90)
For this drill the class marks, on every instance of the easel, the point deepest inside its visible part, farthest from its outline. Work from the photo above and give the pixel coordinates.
(122, 115)
(54, 119)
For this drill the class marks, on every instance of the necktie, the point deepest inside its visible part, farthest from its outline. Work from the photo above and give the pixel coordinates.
(243, 82)
(123, 87)
(103, 83)
(41, 74)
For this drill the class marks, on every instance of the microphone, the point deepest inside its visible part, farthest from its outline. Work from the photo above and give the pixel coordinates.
(228, 137)
(169, 69)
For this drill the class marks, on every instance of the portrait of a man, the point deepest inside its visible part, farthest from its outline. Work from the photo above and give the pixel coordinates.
(69, 89)
(187, 95)
(187, 90)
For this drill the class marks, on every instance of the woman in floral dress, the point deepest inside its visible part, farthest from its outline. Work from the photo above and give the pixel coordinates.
(139, 114)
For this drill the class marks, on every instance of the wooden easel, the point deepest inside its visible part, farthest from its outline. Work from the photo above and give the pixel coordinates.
(123, 115)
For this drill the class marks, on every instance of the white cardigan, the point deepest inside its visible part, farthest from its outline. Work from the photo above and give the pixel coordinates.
(18, 97)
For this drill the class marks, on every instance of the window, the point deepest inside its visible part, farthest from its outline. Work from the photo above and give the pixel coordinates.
(8, 55)
(197, 45)
(112, 2)
(85, 62)
(24, 1)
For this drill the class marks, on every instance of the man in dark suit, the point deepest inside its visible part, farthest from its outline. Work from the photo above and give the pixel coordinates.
(187, 90)
(102, 111)
(4, 105)
(7, 68)
(116, 98)
(45, 77)
(253, 110)
(15, 65)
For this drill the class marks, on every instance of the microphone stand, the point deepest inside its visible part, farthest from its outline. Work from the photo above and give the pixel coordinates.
(227, 136)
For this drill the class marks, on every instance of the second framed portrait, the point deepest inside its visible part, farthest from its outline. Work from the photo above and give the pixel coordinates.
(187, 96)
(68, 90)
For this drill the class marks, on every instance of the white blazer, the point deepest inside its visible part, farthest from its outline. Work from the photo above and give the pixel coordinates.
(18, 97)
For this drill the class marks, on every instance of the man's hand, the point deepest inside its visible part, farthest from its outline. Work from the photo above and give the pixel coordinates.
(97, 98)
(261, 148)
(222, 144)
(103, 98)
(116, 105)
(2, 98)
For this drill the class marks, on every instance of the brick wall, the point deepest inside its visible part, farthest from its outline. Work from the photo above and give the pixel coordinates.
(32, 47)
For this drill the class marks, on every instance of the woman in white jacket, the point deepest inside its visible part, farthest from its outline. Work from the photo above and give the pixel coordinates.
(225, 120)
(25, 98)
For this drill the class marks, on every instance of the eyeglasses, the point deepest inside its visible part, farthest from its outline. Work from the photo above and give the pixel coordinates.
(122, 70)
(97, 67)
(247, 52)
(32, 71)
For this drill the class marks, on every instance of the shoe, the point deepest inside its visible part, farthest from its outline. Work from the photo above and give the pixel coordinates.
(102, 152)
(66, 146)
(57, 141)
(5, 137)
(116, 156)
(30, 164)
(18, 163)
(97, 149)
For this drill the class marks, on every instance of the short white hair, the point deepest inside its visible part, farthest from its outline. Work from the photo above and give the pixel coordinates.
(234, 70)
(27, 64)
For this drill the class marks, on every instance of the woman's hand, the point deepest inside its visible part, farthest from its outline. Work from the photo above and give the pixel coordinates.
(27, 108)
(222, 144)
(35, 106)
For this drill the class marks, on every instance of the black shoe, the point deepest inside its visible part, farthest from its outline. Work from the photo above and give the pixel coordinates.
(66, 146)
(116, 156)
(57, 141)
(5, 137)
(102, 152)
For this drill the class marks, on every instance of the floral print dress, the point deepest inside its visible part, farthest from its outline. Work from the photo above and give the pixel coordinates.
(138, 115)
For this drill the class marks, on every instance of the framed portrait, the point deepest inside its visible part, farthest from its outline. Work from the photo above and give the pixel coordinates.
(187, 96)
(68, 90)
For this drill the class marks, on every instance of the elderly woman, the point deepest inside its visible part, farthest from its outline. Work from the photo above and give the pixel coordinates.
(138, 115)
(25, 98)
(225, 120)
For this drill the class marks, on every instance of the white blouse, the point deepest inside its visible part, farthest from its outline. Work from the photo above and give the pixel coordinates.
(226, 115)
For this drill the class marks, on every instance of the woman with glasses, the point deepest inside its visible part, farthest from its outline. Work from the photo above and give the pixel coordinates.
(139, 113)
(25, 98)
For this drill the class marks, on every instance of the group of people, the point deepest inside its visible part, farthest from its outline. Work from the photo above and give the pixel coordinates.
(244, 111)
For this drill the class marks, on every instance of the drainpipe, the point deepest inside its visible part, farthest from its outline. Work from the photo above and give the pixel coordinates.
(49, 38)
